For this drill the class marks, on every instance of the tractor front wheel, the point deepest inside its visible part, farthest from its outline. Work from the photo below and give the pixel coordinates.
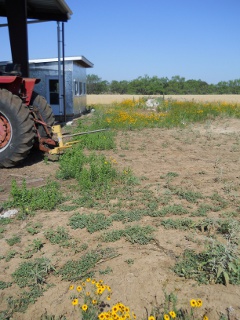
(16, 129)
(46, 113)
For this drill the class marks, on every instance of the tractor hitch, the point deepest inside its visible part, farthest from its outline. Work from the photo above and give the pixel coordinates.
(61, 145)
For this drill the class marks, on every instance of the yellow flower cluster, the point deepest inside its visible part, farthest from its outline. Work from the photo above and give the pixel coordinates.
(131, 103)
(89, 296)
(171, 314)
(196, 303)
(118, 312)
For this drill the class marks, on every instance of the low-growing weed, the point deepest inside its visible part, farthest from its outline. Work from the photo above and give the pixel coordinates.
(217, 264)
(2, 229)
(34, 228)
(133, 234)
(5, 221)
(182, 224)
(84, 267)
(34, 247)
(46, 197)
(188, 195)
(128, 216)
(10, 254)
(34, 272)
(13, 240)
(59, 236)
(105, 271)
(92, 222)
(4, 285)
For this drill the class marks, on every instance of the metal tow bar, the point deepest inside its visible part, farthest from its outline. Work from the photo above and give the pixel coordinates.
(61, 146)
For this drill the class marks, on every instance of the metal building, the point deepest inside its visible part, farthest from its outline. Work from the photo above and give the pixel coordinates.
(73, 95)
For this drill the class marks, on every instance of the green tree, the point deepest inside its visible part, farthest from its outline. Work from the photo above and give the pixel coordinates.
(96, 85)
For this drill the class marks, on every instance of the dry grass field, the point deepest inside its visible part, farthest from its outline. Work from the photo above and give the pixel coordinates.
(111, 98)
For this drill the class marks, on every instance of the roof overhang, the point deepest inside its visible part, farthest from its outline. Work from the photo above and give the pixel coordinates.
(81, 60)
(46, 10)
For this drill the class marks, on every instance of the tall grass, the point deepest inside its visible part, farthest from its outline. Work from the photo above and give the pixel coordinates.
(131, 114)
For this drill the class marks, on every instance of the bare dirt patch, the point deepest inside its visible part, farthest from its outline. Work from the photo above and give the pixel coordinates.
(204, 158)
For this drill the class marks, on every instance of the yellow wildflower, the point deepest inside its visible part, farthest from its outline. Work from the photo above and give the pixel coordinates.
(88, 280)
(75, 302)
(199, 303)
(205, 318)
(127, 309)
(193, 303)
(115, 308)
(151, 318)
(166, 317)
(87, 293)
(99, 291)
(101, 316)
(84, 307)
(79, 288)
(94, 301)
(172, 314)
(108, 297)
(71, 287)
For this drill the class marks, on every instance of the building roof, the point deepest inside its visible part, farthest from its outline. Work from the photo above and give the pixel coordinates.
(81, 60)
(56, 10)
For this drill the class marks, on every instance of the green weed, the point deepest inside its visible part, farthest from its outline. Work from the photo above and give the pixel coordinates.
(59, 236)
(4, 285)
(92, 222)
(182, 224)
(34, 247)
(13, 240)
(46, 197)
(10, 254)
(33, 272)
(34, 228)
(4, 221)
(188, 195)
(84, 267)
(217, 264)
(133, 234)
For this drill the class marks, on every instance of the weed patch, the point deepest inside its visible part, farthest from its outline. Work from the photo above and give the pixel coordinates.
(47, 197)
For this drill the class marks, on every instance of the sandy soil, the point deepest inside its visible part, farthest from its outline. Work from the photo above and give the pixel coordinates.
(108, 98)
(206, 158)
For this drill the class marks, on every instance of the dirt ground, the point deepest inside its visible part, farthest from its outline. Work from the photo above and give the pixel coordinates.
(206, 158)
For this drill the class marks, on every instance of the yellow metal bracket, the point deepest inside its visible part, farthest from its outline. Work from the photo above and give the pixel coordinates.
(62, 146)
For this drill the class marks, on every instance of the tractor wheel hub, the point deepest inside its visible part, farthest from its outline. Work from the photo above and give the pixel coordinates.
(5, 131)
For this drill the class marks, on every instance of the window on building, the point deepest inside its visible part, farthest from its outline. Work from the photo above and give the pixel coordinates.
(54, 91)
(76, 88)
(84, 88)
(80, 88)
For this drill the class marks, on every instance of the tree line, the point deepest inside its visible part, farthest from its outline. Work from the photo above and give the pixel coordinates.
(160, 86)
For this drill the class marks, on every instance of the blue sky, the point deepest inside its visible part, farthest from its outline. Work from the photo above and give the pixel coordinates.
(125, 39)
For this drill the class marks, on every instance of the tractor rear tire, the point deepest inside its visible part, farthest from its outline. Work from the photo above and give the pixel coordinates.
(45, 111)
(16, 129)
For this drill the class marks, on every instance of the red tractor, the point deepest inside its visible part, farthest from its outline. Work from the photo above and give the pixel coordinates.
(25, 118)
